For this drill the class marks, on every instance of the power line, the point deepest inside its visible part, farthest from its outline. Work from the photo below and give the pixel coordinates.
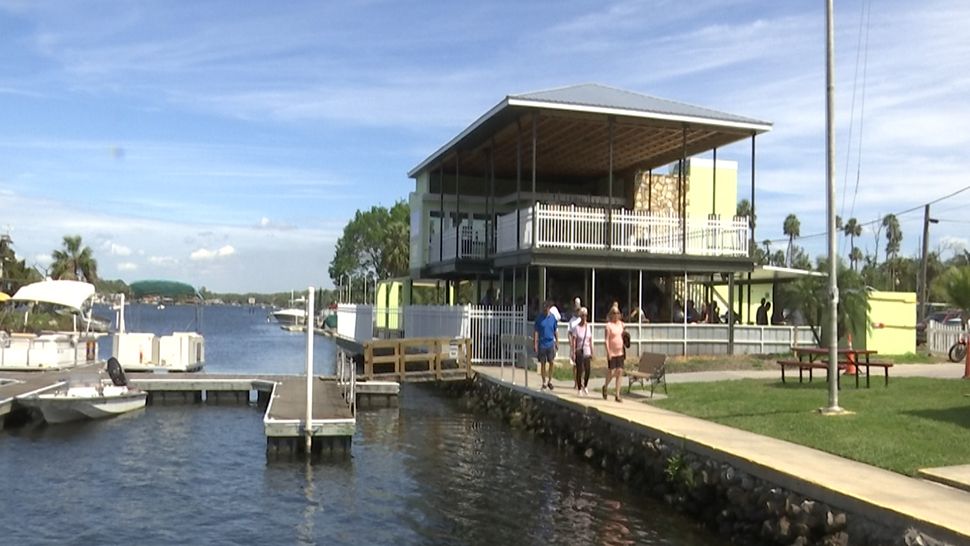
(879, 220)
(855, 85)
(862, 107)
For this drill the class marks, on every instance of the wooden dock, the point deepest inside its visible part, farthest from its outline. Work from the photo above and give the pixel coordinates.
(284, 397)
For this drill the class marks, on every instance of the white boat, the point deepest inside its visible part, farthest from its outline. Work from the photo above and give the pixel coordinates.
(293, 315)
(84, 398)
(43, 346)
(290, 317)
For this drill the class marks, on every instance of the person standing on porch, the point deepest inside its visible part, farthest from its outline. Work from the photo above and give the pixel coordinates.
(581, 346)
(573, 322)
(761, 315)
(615, 351)
(545, 339)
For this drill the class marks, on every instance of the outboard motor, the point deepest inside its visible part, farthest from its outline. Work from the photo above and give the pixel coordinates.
(117, 373)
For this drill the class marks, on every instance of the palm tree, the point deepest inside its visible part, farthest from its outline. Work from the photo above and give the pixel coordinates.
(792, 229)
(74, 261)
(855, 257)
(767, 245)
(894, 237)
(852, 229)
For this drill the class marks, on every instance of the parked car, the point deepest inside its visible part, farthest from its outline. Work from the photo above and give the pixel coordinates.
(949, 317)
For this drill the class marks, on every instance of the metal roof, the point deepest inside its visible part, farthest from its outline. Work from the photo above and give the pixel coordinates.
(599, 100)
(602, 96)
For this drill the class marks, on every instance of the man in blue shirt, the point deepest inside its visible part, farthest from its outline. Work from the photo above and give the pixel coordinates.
(545, 339)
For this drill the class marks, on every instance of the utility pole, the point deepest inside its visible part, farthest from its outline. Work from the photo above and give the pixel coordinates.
(833, 322)
(924, 286)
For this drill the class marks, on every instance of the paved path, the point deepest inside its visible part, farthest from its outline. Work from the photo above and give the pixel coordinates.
(835, 480)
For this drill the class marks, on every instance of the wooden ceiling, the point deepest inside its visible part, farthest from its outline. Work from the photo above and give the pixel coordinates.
(576, 146)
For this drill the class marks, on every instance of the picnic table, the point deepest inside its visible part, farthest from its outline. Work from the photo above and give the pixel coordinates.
(811, 358)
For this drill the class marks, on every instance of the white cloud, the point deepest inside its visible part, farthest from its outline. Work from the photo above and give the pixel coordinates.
(206, 254)
(43, 259)
(115, 249)
(127, 266)
(163, 260)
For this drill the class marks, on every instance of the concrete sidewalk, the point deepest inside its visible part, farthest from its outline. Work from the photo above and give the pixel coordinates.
(854, 486)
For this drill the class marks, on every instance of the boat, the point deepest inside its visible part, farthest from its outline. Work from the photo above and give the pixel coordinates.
(148, 352)
(57, 329)
(83, 397)
(292, 315)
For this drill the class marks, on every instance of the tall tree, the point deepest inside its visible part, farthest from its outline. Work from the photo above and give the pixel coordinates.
(894, 238)
(855, 258)
(375, 242)
(792, 229)
(74, 261)
(852, 230)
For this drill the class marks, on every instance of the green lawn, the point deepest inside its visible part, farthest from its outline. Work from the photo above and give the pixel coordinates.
(914, 423)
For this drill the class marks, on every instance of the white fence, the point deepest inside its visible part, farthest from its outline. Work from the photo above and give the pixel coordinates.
(502, 334)
(485, 326)
(576, 227)
(940, 337)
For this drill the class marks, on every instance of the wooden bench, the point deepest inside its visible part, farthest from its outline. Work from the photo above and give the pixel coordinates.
(864, 364)
(810, 366)
(652, 368)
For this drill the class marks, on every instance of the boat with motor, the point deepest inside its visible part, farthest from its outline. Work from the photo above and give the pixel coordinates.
(292, 316)
(180, 351)
(84, 397)
(49, 325)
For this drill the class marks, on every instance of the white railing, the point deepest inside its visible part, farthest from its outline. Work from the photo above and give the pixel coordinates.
(511, 224)
(577, 227)
(473, 244)
(497, 333)
(940, 337)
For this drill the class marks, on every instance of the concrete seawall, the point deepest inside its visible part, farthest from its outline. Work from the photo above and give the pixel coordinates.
(740, 498)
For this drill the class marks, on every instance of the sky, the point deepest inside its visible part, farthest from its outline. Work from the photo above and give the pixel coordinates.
(226, 144)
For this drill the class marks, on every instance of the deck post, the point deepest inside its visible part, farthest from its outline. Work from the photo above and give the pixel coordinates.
(518, 186)
(683, 196)
(730, 314)
(441, 212)
(592, 300)
(457, 205)
(308, 427)
(714, 185)
(640, 317)
(609, 207)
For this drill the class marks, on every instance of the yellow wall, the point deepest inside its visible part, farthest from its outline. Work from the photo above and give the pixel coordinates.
(700, 192)
(892, 322)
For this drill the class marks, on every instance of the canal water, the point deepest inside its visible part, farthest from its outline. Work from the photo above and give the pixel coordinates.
(427, 472)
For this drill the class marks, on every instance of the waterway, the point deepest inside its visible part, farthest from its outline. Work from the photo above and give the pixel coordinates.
(428, 472)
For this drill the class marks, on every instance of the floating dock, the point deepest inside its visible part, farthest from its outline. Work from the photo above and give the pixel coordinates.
(284, 397)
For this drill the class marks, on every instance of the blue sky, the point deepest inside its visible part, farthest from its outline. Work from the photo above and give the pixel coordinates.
(227, 143)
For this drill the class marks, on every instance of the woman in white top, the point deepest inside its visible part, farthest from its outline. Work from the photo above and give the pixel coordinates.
(581, 347)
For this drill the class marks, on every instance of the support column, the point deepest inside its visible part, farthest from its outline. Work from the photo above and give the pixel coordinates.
(535, 142)
(490, 223)
(751, 243)
(650, 191)
(441, 213)
(714, 185)
(457, 206)
(592, 301)
(641, 317)
(731, 314)
(609, 210)
(543, 294)
(518, 186)
(682, 179)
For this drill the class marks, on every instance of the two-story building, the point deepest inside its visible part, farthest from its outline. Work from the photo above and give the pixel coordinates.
(586, 191)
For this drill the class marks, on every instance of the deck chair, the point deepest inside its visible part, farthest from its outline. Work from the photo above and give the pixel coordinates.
(652, 368)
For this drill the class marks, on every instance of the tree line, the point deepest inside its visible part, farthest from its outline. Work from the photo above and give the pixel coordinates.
(894, 272)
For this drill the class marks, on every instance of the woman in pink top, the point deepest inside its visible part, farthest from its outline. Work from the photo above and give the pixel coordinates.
(615, 352)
